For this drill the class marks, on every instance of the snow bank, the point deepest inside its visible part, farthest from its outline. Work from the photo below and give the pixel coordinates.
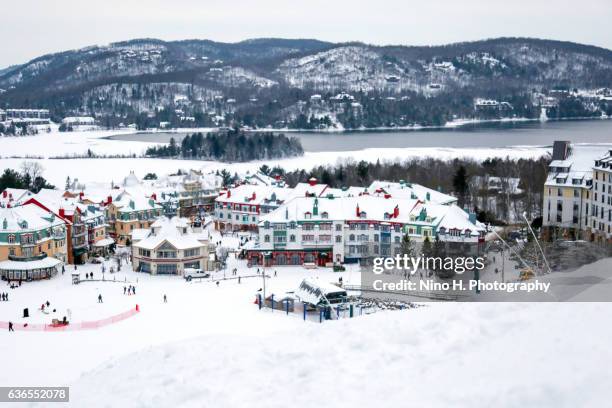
(460, 355)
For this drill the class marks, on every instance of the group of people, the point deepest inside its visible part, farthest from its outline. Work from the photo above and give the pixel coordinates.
(12, 284)
(89, 275)
(129, 290)
(4, 296)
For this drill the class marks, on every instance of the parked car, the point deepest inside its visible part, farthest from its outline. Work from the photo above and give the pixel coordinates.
(193, 273)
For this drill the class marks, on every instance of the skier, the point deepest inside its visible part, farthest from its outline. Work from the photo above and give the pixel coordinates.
(11, 326)
(100, 298)
(165, 298)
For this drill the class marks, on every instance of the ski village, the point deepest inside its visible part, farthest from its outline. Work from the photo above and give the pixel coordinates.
(202, 224)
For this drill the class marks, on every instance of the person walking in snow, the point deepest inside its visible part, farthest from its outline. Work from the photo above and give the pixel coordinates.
(217, 283)
(275, 273)
(165, 298)
(10, 328)
(100, 298)
(239, 280)
(124, 290)
(133, 290)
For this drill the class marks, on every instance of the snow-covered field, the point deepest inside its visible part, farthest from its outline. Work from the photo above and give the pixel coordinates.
(56, 144)
(211, 346)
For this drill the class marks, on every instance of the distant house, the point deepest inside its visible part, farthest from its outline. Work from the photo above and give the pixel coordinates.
(77, 121)
(27, 116)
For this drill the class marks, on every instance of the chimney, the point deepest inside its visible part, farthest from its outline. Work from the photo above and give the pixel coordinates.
(357, 212)
(154, 196)
(387, 196)
(4, 194)
(109, 200)
(396, 211)
(312, 181)
(253, 196)
(62, 213)
(81, 194)
(229, 193)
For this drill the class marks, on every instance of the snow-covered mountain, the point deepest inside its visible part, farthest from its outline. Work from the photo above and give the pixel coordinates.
(264, 75)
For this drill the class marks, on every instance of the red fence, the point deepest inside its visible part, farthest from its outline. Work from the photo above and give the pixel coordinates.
(94, 324)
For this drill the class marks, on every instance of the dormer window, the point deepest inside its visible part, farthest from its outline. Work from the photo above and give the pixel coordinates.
(363, 215)
(324, 215)
(307, 215)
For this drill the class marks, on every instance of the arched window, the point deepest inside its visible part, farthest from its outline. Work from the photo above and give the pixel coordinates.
(266, 238)
(352, 237)
(292, 238)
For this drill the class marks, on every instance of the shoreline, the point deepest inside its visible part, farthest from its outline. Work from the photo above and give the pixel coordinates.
(456, 124)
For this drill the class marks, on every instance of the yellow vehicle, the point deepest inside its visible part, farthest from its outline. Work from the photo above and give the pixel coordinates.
(526, 274)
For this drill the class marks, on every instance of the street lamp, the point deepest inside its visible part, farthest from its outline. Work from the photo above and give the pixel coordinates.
(265, 255)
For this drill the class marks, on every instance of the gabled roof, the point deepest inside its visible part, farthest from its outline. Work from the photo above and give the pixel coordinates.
(27, 218)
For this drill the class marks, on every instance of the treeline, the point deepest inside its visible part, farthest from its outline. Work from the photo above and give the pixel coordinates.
(462, 178)
(30, 178)
(230, 146)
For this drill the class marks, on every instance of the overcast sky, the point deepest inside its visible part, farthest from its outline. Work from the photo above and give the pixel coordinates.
(30, 28)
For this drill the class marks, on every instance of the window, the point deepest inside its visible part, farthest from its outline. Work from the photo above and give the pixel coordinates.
(308, 238)
(192, 252)
(352, 237)
(292, 238)
(165, 254)
(338, 238)
(338, 227)
(166, 269)
(266, 238)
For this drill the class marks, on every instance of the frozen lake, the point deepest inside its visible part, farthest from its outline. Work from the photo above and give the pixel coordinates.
(488, 135)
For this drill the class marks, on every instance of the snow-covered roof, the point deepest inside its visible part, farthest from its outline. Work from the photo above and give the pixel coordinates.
(25, 218)
(172, 232)
(255, 195)
(14, 196)
(313, 290)
(343, 209)
(580, 163)
(44, 263)
(410, 190)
